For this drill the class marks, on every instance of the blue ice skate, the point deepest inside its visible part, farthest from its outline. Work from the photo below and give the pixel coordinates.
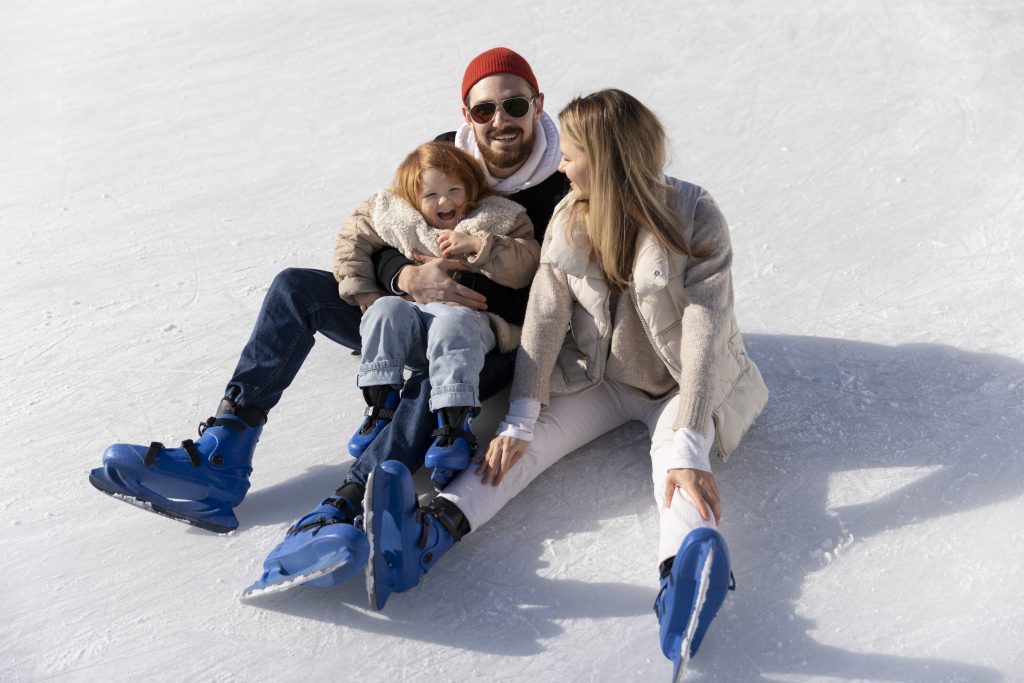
(454, 444)
(405, 540)
(324, 548)
(199, 483)
(691, 594)
(381, 404)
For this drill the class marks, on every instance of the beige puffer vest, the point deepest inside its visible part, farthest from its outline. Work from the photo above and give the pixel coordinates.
(738, 393)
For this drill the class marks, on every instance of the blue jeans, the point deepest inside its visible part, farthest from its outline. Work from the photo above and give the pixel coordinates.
(302, 302)
(449, 342)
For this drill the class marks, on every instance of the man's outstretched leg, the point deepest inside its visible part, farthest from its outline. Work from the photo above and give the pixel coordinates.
(405, 541)
(324, 548)
(328, 546)
(199, 483)
(405, 440)
(204, 480)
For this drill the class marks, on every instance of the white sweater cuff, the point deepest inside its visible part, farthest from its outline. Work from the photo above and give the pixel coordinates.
(521, 419)
(691, 450)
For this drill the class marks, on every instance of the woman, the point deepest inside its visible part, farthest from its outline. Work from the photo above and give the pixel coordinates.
(637, 266)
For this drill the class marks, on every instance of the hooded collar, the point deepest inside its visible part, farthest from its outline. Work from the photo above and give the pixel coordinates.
(542, 162)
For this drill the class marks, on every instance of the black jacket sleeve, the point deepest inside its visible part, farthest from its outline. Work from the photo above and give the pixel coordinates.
(386, 263)
(508, 303)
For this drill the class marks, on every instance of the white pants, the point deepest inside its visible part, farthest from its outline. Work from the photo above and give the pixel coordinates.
(572, 421)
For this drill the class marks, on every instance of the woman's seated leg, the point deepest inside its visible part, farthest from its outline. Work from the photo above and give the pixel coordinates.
(568, 423)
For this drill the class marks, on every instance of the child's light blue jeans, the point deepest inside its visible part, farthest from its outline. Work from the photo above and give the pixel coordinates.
(449, 342)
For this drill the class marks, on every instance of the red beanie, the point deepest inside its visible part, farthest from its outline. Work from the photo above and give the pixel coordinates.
(498, 60)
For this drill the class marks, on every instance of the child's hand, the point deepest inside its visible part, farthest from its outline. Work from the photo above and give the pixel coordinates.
(366, 299)
(454, 244)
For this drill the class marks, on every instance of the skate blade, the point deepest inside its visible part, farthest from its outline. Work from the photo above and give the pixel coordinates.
(281, 583)
(371, 538)
(163, 511)
(261, 588)
(691, 627)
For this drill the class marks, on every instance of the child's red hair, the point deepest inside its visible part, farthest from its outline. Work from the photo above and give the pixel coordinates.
(449, 160)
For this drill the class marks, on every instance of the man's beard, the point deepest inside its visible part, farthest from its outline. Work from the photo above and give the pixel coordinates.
(509, 159)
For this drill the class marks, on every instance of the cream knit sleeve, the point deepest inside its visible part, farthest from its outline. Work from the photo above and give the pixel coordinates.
(547, 319)
(707, 316)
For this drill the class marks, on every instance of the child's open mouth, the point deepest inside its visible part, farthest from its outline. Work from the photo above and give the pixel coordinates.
(446, 215)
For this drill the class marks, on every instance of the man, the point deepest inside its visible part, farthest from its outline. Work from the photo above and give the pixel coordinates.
(204, 480)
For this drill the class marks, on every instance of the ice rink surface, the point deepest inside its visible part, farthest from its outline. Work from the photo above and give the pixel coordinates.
(161, 162)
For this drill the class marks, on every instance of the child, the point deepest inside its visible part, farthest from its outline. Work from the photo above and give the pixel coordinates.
(440, 205)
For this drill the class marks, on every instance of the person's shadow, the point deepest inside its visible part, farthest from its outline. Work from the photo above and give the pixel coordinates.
(858, 440)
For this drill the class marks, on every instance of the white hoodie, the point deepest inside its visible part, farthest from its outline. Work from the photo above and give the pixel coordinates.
(543, 161)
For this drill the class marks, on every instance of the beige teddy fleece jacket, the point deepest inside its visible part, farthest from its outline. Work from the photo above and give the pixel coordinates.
(509, 254)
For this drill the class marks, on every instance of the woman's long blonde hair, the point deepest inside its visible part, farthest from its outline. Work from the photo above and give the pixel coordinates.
(624, 144)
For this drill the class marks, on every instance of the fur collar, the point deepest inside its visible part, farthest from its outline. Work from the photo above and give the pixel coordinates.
(399, 224)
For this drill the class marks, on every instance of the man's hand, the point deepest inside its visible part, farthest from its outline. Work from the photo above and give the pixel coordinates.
(700, 486)
(366, 299)
(502, 453)
(429, 282)
(453, 243)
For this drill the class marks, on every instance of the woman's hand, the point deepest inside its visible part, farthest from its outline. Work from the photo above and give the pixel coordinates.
(502, 453)
(453, 243)
(366, 299)
(700, 486)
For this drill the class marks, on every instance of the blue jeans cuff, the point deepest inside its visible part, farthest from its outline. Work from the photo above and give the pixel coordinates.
(451, 395)
(380, 372)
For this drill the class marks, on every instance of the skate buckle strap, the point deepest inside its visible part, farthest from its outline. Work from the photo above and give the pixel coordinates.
(657, 600)
(150, 456)
(214, 422)
(421, 519)
(448, 434)
(372, 414)
(441, 518)
(317, 523)
(193, 453)
(155, 448)
(342, 504)
(375, 413)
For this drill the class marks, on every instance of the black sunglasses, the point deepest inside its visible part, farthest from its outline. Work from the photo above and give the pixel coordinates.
(516, 107)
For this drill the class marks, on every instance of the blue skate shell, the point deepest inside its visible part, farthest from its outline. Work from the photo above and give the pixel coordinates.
(199, 488)
(679, 593)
